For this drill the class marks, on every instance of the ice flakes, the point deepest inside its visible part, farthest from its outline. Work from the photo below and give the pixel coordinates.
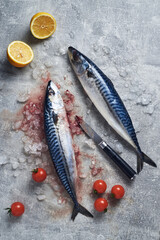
(89, 144)
(22, 159)
(15, 165)
(56, 187)
(23, 97)
(62, 51)
(39, 191)
(122, 73)
(100, 237)
(49, 63)
(41, 197)
(144, 100)
(3, 159)
(149, 110)
(38, 161)
(106, 50)
(118, 148)
(95, 171)
(15, 174)
(16, 125)
(82, 175)
(36, 73)
(61, 200)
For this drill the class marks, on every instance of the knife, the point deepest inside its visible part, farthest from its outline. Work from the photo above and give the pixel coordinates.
(127, 170)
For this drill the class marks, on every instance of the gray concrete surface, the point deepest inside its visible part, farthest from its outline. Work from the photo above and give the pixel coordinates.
(122, 37)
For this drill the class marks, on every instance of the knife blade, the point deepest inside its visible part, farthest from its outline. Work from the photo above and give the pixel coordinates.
(123, 165)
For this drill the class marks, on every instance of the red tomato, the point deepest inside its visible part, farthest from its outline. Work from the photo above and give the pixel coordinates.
(16, 209)
(39, 174)
(101, 205)
(118, 191)
(99, 186)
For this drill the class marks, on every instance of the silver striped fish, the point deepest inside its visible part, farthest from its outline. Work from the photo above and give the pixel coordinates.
(104, 96)
(60, 145)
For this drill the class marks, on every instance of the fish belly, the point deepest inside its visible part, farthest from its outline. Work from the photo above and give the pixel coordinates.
(67, 146)
(99, 102)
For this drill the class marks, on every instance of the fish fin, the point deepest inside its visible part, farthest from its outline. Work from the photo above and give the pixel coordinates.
(82, 210)
(149, 161)
(141, 158)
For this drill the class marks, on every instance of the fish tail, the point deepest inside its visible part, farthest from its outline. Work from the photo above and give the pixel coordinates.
(141, 158)
(80, 209)
(149, 161)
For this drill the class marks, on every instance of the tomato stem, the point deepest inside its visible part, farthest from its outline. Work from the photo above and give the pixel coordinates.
(105, 210)
(35, 170)
(95, 191)
(8, 211)
(112, 195)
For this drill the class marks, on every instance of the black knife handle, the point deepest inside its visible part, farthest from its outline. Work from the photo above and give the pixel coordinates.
(129, 172)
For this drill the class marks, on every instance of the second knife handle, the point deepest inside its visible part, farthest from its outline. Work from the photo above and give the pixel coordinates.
(129, 172)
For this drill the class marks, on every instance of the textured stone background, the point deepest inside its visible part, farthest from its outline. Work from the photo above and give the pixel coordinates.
(123, 38)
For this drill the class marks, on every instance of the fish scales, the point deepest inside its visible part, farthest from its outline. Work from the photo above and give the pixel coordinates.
(102, 93)
(116, 105)
(57, 153)
(60, 145)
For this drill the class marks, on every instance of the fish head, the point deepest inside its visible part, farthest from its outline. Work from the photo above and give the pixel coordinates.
(78, 61)
(53, 97)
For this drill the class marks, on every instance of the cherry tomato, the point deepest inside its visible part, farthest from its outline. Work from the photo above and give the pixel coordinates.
(117, 191)
(16, 209)
(39, 174)
(99, 186)
(101, 205)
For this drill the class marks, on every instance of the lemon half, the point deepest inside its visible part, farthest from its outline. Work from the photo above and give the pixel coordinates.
(19, 54)
(42, 25)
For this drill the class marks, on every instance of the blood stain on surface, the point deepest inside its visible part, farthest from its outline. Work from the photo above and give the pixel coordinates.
(30, 120)
(68, 99)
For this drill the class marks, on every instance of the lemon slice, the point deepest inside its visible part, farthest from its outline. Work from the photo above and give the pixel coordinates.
(19, 54)
(42, 25)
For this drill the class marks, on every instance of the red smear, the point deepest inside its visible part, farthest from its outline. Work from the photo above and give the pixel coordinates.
(32, 118)
(32, 124)
(79, 119)
(68, 100)
(78, 167)
(58, 85)
(77, 157)
(69, 95)
(42, 87)
(92, 157)
(95, 171)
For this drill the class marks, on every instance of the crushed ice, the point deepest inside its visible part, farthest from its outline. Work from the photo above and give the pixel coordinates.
(23, 96)
(41, 197)
(4, 159)
(15, 165)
